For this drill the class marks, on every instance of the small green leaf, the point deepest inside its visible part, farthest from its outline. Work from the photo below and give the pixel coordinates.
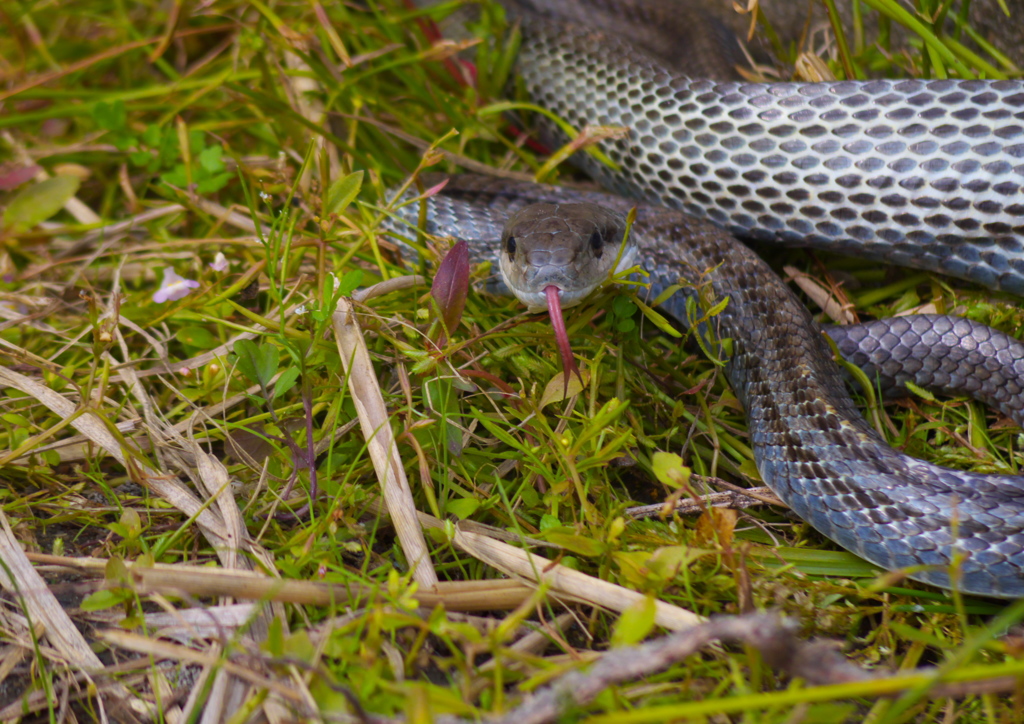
(666, 295)
(210, 159)
(622, 306)
(198, 337)
(548, 521)
(258, 364)
(576, 543)
(123, 143)
(102, 600)
(196, 140)
(424, 366)
(131, 520)
(342, 192)
(350, 282)
(635, 623)
(497, 430)
(462, 508)
(273, 644)
(177, 176)
(749, 468)
(119, 529)
(557, 389)
(658, 320)
(286, 381)
(39, 202)
(110, 116)
(718, 308)
(919, 391)
(333, 290)
(213, 183)
(139, 158)
(669, 469)
(152, 135)
(298, 646)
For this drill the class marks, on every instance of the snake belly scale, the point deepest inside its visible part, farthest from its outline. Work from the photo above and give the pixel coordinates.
(811, 445)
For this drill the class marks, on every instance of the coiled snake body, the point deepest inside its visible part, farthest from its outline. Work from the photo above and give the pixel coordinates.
(922, 172)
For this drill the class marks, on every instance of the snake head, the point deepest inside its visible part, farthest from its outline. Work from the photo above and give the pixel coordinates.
(572, 247)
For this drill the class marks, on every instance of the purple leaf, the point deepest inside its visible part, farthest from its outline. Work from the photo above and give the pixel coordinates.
(451, 285)
(11, 178)
(436, 189)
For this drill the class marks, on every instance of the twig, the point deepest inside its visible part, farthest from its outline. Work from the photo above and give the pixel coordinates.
(818, 663)
(727, 499)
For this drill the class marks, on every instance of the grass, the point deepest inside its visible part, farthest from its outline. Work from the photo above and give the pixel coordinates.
(149, 450)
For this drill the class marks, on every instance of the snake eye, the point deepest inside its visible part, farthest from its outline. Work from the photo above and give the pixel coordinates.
(597, 243)
(510, 247)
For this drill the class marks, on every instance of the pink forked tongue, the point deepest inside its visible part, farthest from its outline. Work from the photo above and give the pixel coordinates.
(561, 336)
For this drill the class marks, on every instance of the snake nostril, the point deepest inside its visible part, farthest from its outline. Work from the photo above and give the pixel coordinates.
(597, 243)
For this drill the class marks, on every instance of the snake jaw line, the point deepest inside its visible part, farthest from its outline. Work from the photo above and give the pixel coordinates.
(538, 301)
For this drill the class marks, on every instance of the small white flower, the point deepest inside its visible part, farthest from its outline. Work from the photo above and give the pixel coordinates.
(173, 287)
(220, 262)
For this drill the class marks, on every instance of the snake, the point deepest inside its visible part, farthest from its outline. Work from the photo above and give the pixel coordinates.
(922, 173)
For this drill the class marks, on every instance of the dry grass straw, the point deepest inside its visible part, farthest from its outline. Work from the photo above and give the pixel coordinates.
(565, 582)
(380, 442)
(218, 517)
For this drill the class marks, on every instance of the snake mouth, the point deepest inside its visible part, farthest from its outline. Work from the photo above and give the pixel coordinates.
(531, 284)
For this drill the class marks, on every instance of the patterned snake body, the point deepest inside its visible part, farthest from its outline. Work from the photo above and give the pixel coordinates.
(928, 174)
(811, 445)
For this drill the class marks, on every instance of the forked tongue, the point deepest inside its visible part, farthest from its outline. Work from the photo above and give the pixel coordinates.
(561, 337)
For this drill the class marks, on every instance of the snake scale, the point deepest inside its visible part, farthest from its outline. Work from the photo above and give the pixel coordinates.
(919, 173)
